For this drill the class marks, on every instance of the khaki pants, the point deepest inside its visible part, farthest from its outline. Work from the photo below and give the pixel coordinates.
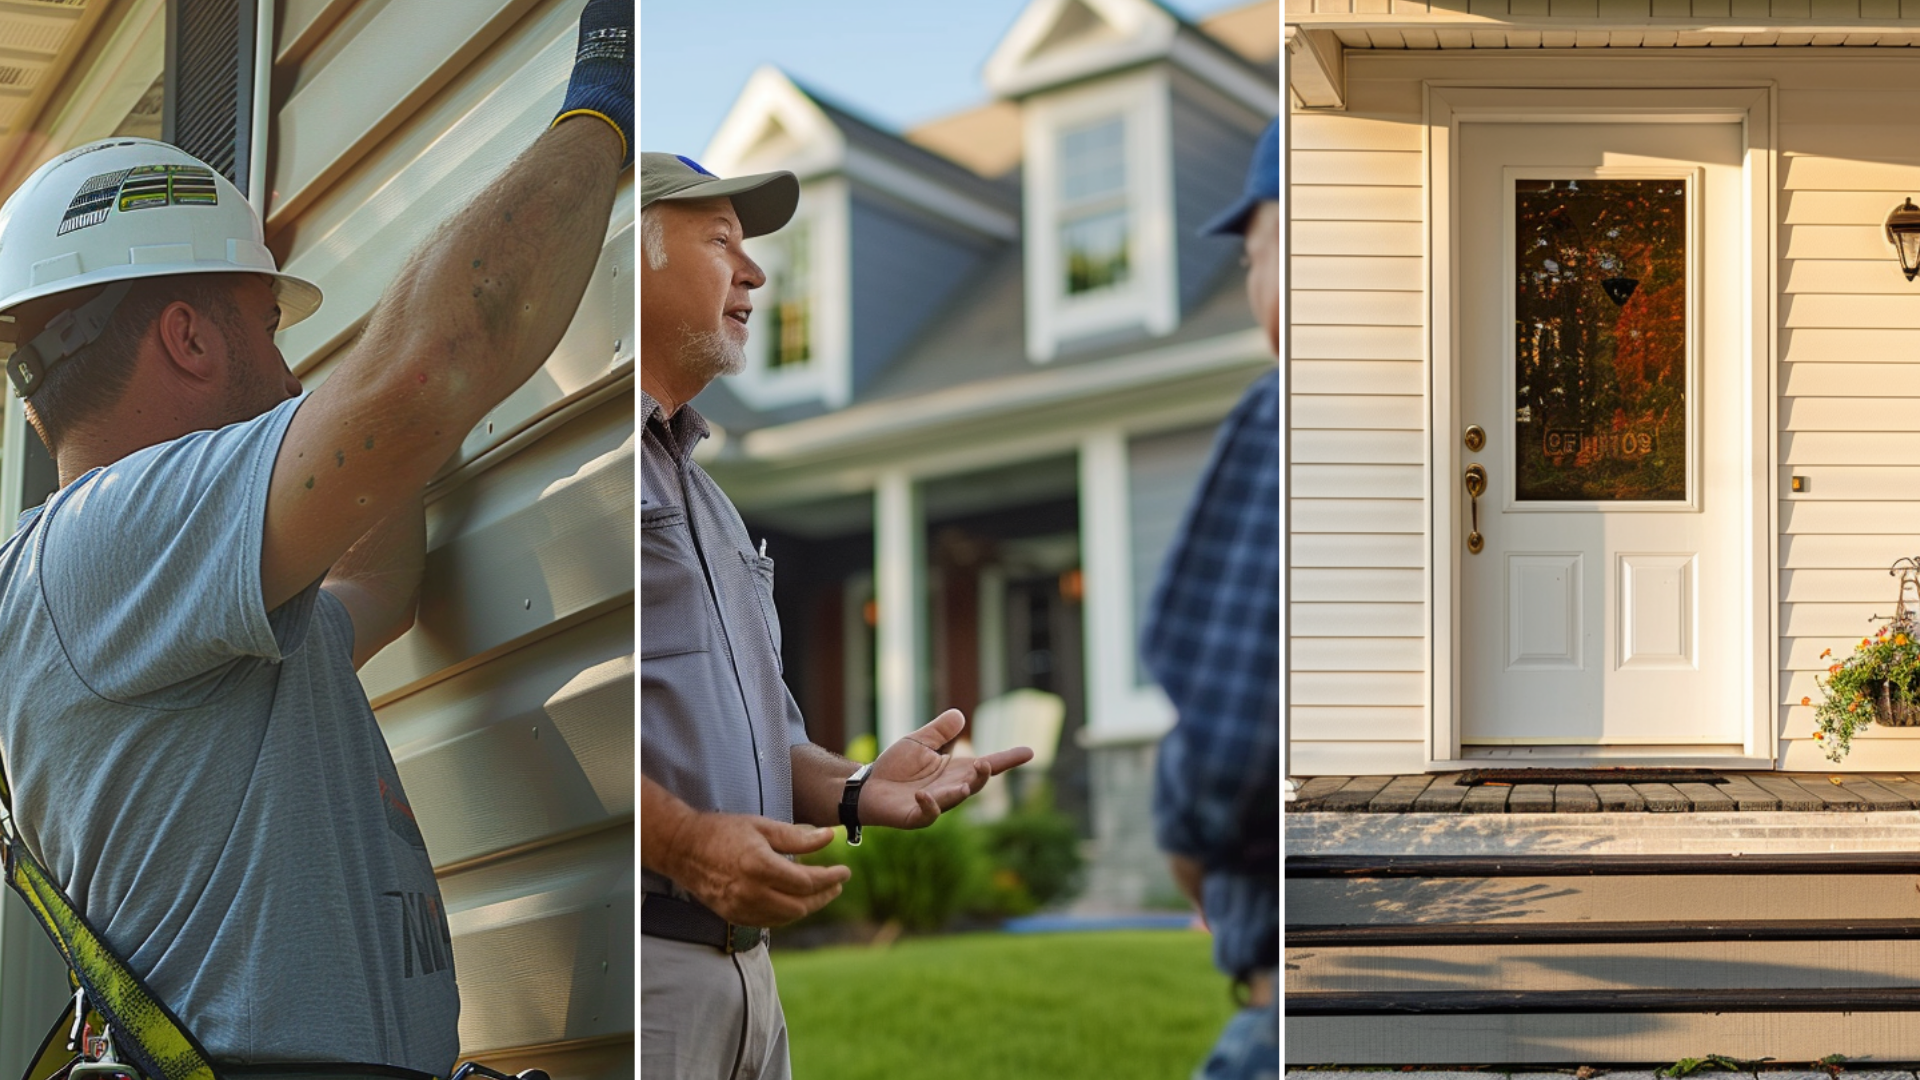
(705, 1015)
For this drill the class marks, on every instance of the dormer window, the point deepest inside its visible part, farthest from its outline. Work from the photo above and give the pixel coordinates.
(789, 300)
(1094, 231)
(1100, 248)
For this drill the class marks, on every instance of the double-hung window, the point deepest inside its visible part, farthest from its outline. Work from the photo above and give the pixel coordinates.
(1095, 233)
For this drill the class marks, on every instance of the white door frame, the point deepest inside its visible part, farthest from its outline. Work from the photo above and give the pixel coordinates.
(1751, 105)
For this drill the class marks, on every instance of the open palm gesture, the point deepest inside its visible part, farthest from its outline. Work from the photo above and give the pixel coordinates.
(913, 781)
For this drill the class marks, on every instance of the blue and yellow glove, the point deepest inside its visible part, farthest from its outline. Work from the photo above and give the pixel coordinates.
(602, 83)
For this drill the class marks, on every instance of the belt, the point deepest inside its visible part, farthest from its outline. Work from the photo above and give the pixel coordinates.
(686, 920)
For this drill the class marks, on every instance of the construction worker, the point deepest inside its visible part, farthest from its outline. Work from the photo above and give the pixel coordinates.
(191, 753)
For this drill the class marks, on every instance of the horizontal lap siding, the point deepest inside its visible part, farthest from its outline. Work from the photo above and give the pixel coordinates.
(1358, 654)
(510, 706)
(1849, 407)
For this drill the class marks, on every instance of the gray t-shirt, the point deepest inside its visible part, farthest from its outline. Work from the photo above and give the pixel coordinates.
(205, 778)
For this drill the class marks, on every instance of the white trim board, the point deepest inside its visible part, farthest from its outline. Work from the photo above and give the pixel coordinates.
(1754, 105)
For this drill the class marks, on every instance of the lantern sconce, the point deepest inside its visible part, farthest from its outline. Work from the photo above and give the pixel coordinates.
(1903, 232)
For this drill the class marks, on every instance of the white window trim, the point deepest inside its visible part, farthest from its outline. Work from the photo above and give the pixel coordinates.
(1150, 296)
(828, 374)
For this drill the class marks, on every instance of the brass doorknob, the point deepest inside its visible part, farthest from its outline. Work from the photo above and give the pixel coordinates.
(1476, 487)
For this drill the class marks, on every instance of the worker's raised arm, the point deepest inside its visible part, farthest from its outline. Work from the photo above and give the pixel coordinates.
(470, 317)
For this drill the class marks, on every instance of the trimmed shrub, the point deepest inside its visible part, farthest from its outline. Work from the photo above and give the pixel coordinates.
(1035, 853)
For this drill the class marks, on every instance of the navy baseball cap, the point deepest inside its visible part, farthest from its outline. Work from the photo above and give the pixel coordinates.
(1263, 185)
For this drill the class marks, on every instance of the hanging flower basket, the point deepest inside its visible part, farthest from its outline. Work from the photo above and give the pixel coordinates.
(1880, 682)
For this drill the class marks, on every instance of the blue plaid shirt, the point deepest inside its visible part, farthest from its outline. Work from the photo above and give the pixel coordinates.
(1213, 643)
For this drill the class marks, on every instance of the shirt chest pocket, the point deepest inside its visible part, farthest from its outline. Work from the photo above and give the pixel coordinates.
(760, 571)
(673, 588)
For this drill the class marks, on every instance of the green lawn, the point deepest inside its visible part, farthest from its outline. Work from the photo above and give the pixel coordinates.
(1113, 1005)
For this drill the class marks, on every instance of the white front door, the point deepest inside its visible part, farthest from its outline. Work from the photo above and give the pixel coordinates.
(1599, 284)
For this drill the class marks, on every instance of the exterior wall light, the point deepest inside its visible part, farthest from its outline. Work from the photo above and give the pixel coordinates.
(1903, 232)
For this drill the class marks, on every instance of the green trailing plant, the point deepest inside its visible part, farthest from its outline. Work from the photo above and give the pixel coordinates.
(1883, 671)
(1689, 1066)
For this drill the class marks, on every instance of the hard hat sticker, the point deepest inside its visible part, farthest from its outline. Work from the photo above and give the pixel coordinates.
(140, 188)
(91, 203)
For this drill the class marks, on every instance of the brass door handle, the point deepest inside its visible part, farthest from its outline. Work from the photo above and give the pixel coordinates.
(1476, 487)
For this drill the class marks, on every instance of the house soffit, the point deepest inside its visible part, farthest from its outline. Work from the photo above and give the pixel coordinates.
(1517, 29)
(40, 41)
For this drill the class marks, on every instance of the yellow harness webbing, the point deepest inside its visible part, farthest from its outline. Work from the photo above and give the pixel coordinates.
(145, 1030)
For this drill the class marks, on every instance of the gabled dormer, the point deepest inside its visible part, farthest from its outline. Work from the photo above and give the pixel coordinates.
(884, 234)
(1137, 127)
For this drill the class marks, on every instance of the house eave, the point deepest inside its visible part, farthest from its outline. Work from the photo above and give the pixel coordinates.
(992, 421)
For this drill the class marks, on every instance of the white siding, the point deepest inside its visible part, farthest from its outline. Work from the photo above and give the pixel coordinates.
(1848, 377)
(1357, 585)
(510, 706)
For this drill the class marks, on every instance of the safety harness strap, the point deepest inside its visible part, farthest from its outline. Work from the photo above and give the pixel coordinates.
(145, 1030)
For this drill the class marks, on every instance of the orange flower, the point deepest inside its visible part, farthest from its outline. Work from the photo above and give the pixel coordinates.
(1806, 701)
(1819, 735)
(1899, 639)
(1824, 653)
(1834, 670)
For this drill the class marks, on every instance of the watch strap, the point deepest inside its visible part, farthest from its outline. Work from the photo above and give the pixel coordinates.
(850, 802)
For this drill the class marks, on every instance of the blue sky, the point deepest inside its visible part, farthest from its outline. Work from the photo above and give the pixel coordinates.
(898, 62)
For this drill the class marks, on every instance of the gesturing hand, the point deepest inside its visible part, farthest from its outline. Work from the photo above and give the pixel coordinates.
(912, 781)
(733, 864)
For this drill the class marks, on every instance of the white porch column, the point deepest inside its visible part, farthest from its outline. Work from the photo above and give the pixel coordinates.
(1106, 555)
(900, 591)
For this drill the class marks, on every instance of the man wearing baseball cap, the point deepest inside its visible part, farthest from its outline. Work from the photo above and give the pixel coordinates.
(730, 786)
(1213, 642)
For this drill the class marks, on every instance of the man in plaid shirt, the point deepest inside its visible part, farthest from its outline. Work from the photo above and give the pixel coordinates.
(1213, 642)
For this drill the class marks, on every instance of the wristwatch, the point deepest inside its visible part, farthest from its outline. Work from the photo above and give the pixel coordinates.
(850, 803)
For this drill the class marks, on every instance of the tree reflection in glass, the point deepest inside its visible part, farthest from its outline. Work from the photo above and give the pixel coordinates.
(1600, 324)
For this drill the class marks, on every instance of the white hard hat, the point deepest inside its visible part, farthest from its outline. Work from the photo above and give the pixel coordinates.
(124, 208)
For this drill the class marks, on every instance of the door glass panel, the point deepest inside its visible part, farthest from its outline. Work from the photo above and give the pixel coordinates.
(1600, 363)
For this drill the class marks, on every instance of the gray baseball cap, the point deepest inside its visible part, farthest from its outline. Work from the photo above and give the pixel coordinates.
(764, 201)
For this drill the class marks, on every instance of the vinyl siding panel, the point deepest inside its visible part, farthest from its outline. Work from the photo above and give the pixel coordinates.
(1163, 471)
(1207, 129)
(510, 705)
(905, 268)
(1357, 516)
(1848, 380)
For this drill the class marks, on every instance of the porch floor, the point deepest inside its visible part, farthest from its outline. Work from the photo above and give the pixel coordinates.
(1725, 792)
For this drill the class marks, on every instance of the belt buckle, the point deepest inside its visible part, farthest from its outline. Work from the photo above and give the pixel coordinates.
(743, 938)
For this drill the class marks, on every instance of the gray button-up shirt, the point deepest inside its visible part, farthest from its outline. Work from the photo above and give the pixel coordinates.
(717, 723)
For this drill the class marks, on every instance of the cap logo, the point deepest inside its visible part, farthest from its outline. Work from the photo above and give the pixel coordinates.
(140, 188)
(694, 165)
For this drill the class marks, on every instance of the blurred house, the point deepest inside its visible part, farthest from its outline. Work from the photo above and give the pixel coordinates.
(984, 375)
(358, 125)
